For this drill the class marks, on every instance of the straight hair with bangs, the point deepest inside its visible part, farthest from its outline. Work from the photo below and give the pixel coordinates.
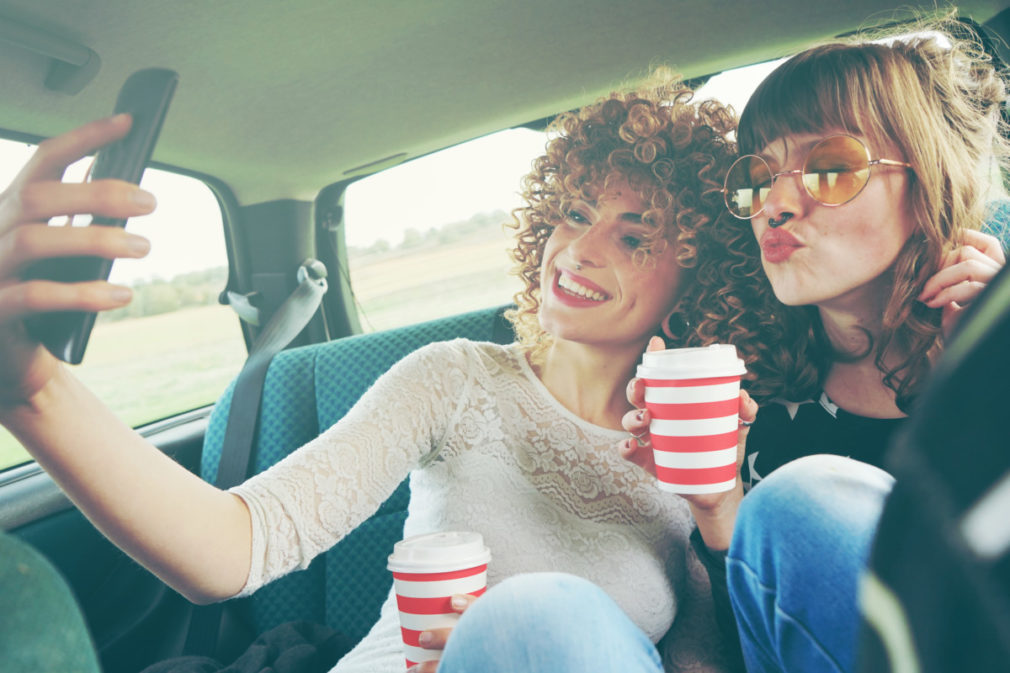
(935, 97)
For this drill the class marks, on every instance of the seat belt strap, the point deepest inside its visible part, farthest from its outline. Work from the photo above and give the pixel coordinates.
(290, 319)
(243, 414)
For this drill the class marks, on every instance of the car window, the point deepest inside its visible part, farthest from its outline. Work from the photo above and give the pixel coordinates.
(734, 87)
(426, 239)
(135, 355)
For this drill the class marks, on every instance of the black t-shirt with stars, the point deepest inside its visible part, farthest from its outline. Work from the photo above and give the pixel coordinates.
(785, 431)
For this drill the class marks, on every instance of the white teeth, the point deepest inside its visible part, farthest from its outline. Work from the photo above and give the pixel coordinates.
(571, 286)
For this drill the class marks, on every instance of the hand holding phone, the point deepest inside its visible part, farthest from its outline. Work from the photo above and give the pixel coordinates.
(145, 96)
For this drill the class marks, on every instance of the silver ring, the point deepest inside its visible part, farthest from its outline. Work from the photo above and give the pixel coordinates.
(641, 438)
(746, 424)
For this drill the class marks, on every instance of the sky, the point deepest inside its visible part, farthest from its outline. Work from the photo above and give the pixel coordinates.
(481, 176)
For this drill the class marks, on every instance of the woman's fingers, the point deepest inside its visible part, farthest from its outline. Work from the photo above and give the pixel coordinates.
(965, 273)
(55, 154)
(436, 639)
(37, 194)
(33, 242)
(38, 201)
(636, 392)
(748, 408)
(962, 294)
(638, 448)
(18, 300)
(460, 602)
(988, 244)
(636, 422)
(424, 667)
(748, 413)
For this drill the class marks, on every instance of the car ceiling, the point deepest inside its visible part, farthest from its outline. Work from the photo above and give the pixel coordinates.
(278, 99)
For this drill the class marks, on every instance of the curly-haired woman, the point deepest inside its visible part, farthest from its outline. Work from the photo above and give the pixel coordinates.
(513, 442)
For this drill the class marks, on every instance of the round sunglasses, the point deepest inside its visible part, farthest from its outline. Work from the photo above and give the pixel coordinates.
(835, 171)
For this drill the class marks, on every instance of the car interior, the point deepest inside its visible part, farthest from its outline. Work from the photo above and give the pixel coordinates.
(288, 125)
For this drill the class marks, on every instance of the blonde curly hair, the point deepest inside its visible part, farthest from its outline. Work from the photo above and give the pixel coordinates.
(673, 152)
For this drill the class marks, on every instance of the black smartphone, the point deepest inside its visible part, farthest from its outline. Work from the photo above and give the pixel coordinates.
(145, 96)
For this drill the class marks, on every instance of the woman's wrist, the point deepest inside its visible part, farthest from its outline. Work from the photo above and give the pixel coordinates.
(715, 523)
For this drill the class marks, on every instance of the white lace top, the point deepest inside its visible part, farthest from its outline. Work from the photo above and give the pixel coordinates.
(487, 449)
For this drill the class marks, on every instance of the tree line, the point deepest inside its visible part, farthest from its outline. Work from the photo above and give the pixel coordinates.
(447, 234)
(155, 296)
(202, 288)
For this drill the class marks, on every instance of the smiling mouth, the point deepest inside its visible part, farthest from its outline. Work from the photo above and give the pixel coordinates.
(573, 288)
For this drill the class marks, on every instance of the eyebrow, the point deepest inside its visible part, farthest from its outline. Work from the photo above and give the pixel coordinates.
(628, 216)
(802, 149)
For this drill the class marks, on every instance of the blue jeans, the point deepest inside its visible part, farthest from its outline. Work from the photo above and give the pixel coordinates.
(801, 541)
(800, 544)
(547, 623)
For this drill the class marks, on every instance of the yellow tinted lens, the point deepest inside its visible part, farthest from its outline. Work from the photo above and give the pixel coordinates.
(747, 184)
(836, 170)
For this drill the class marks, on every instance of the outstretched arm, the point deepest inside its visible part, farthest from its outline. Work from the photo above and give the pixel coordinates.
(192, 535)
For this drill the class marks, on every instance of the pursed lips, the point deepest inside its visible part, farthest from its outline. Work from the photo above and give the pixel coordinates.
(777, 245)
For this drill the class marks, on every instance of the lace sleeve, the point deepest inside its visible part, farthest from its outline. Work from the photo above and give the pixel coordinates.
(307, 502)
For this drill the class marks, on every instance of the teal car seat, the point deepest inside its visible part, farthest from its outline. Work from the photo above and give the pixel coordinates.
(307, 390)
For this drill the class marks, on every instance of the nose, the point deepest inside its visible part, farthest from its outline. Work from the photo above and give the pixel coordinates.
(586, 249)
(785, 197)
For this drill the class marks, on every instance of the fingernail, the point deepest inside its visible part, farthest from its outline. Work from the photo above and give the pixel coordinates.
(120, 294)
(143, 198)
(138, 245)
(424, 638)
(458, 602)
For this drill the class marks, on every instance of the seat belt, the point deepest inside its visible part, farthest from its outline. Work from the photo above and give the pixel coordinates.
(290, 319)
(240, 430)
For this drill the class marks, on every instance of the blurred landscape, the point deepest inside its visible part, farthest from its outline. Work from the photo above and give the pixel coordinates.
(177, 325)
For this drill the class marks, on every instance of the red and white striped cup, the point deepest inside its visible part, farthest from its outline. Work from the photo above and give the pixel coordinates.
(693, 395)
(427, 571)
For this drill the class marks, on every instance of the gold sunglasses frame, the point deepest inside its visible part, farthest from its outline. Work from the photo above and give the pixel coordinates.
(870, 163)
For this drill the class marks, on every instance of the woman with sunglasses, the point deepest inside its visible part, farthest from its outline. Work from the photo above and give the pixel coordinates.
(867, 174)
(860, 194)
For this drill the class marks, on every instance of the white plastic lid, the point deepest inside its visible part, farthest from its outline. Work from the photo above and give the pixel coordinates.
(692, 363)
(439, 552)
